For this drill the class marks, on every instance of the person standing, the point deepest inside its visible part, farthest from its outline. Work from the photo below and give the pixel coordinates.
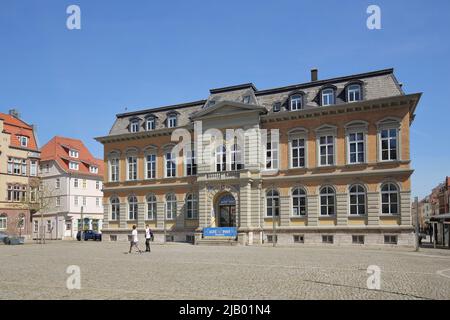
(148, 237)
(134, 240)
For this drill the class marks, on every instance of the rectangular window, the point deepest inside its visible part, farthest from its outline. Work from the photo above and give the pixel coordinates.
(272, 154)
(114, 170)
(132, 168)
(58, 201)
(97, 185)
(75, 183)
(358, 239)
(389, 144)
(84, 201)
(356, 148)
(191, 163)
(33, 194)
(326, 149)
(23, 141)
(272, 238)
(150, 124)
(33, 168)
(277, 107)
(93, 169)
(150, 166)
(73, 154)
(134, 126)
(299, 239)
(74, 166)
(327, 239)
(75, 201)
(84, 183)
(97, 202)
(298, 153)
(170, 165)
(36, 226)
(68, 225)
(389, 239)
(172, 121)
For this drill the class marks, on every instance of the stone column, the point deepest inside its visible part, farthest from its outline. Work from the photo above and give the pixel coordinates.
(312, 210)
(203, 207)
(405, 208)
(141, 216)
(373, 208)
(245, 206)
(341, 209)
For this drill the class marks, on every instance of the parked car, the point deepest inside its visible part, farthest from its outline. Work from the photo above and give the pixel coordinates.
(14, 240)
(90, 235)
(3, 236)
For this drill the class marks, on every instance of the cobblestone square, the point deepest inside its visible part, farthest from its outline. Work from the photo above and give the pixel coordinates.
(182, 271)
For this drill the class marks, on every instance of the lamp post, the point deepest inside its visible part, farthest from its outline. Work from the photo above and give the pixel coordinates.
(82, 224)
(416, 204)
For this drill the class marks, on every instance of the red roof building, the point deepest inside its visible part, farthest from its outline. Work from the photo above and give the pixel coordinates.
(17, 128)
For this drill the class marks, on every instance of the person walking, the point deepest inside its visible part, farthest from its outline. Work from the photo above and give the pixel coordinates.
(134, 240)
(148, 237)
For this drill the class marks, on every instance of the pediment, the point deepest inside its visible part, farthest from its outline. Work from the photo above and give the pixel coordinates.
(227, 108)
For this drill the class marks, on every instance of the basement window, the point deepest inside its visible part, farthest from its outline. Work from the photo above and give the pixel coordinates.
(358, 239)
(272, 238)
(327, 239)
(389, 239)
(299, 238)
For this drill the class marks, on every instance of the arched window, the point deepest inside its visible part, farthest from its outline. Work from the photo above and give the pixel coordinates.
(357, 200)
(273, 203)
(221, 158)
(237, 162)
(327, 97)
(296, 102)
(3, 221)
(191, 206)
(389, 199)
(298, 202)
(151, 207)
(115, 208)
(172, 120)
(134, 125)
(354, 93)
(150, 123)
(171, 206)
(327, 201)
(132, 208)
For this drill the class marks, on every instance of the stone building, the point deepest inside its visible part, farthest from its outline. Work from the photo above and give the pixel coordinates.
(72, 187)
(19, 182)
(326, 161)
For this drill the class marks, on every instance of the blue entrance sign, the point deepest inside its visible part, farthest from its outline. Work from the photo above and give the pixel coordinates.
(220, 232)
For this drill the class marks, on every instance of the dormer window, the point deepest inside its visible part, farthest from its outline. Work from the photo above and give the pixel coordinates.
(296, 102)
(73, 153)
(246, 99)
(134, 125)
(93, 169)
(74, 166)
(23, 141)
(150, 123)
(277, 107)
(171, 120)
(327, 97)
(354, 93)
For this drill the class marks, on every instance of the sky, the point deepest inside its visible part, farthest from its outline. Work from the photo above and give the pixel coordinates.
(131, 55)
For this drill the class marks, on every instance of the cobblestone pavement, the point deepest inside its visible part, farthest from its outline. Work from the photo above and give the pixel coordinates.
(182, 271)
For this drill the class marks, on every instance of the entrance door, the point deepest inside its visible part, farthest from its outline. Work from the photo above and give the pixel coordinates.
(227, 211)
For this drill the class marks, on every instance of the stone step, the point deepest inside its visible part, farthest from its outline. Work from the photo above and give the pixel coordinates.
(217, 242)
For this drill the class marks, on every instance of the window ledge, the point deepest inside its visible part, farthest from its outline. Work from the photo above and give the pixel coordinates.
(299, 217)
(327, 217)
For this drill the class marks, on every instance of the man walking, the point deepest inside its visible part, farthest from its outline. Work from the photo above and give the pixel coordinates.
(134, 240)
(148, 237)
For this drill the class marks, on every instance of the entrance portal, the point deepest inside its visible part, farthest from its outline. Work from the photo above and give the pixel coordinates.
(227, 211)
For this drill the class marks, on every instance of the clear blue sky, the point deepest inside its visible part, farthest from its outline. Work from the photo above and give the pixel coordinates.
(140, 54)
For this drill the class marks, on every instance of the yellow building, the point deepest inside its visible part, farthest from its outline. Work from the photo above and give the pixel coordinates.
(19, 162)
(328, 160)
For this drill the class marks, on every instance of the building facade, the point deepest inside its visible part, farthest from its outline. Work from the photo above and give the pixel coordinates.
(19, 182)
(72, 182)
(326, 161)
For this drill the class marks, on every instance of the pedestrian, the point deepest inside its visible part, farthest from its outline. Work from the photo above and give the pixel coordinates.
(148, 237)
(134, 240)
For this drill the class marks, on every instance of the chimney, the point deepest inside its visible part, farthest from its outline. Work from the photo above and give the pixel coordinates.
(15, 113)
(314, 75)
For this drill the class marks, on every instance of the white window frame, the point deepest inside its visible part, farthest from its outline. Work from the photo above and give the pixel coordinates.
(269, 195)
(326, 131)
(357, 204)
(296, 102)
(76, 183)
(352, 90)
(293, 206)
(153, 165)
(173, 161)
(114, 168)
(58, 201)
(133, 208)
(327, 195)
(172, 120)
(274, 154)
(74, 166)
(151, 206)
(132, 167)
(191, 160)
(150, 120)
(389, 124)
(298, 134)
(33, 168)
(57, 183)
(115, 208)
(3, 221)
(73, 153)
(191, 206)
(134, 125)
(23, 141)
(170, 206)
(356, 127)
(326, 93)
(221, 164)
(397, 192)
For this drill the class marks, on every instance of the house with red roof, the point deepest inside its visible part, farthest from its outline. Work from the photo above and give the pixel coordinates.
(19, 181)
(72, 178)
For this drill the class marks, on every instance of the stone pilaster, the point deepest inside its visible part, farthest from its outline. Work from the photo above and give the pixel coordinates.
(106, 216)
(123, 217)
(141, 216)
(203, 207)
(245, 205)
(405, 208)
(312, 210)
(179, 219)
(373, 208)
(284, 211)
(341, 209)
(160, 212)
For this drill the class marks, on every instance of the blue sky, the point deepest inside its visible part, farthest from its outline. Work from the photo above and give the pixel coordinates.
(140, 54)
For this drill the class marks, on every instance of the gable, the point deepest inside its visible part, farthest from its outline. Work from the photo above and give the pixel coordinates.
(227, 108)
